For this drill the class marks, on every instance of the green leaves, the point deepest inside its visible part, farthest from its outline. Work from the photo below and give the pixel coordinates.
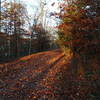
(68, 20)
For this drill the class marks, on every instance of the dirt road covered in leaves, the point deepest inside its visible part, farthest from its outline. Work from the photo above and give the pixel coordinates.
(31, 77)
(42, 76)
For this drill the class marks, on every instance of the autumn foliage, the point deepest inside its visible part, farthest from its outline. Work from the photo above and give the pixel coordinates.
(79, 29)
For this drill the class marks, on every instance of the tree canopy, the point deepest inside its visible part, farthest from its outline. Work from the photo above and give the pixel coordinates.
(79, 29)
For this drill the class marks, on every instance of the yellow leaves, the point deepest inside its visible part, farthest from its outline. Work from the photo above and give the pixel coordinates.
(34, 97)
(80, 70)
(68, 54)
(65, 28)
(25, 58)
(53, 59)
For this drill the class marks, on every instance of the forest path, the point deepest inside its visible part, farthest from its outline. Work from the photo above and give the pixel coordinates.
(23, 79)
(47, 76)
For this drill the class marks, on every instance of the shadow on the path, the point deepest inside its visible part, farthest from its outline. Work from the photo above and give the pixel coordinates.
(41, 75)
(23, 92)
(74, 88)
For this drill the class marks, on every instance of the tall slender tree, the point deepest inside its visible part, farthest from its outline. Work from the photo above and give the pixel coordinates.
(12, 22)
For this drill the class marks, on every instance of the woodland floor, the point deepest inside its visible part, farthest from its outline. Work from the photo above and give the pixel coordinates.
(47, 76)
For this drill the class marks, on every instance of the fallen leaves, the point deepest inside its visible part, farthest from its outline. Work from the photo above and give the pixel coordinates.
(47, 76)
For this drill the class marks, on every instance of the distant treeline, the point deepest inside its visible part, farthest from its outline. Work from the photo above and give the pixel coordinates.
(20, 35)
(16, 45)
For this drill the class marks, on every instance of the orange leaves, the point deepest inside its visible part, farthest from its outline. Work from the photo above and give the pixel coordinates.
(61, 26)
(76, 22)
